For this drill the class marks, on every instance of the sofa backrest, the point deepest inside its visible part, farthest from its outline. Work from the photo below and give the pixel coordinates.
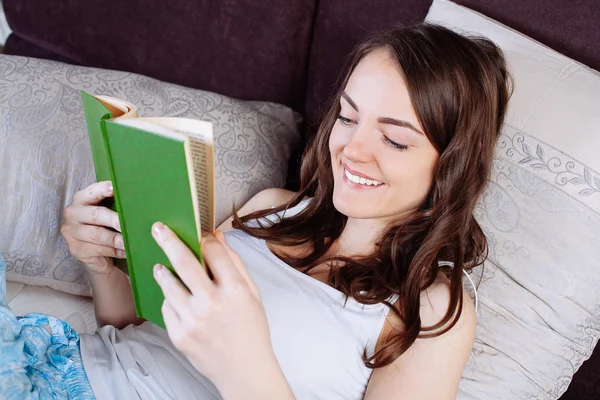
(254, 50)
(285, 51)
(570, 27)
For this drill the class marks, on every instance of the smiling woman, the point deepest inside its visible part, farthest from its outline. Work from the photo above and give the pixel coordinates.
(393, 175)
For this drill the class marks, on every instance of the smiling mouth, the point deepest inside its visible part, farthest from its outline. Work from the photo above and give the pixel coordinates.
(359, 180)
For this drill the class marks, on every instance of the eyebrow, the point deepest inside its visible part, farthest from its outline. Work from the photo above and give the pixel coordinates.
(385, 120)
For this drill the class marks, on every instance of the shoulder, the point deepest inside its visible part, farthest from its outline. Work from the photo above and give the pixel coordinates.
(435, 301)
(440, 359)
(266, 198)
(434, 305)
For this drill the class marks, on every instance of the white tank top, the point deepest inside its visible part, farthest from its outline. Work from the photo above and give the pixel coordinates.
(317, 339)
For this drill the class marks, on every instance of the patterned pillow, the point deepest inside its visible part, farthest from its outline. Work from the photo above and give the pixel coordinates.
(45, 155)
(539, 316)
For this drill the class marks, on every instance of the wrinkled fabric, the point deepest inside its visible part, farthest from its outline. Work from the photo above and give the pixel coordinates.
(40, 355)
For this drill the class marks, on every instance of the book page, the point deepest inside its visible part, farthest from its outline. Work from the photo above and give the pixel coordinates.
(118, 108)
(193, 128)
(202, 170)
(200, 153)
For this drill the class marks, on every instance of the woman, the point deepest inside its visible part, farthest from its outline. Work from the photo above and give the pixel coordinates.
(350, 288)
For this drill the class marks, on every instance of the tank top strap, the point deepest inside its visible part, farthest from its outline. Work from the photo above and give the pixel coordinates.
(451, 265)
(274, 218)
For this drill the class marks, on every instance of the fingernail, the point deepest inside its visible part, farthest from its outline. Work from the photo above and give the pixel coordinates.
(158, 228)
(109, 187)
(121, 253)
(158, 268)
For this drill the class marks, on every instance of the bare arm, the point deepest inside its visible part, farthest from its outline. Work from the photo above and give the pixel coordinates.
(431, 368)
(93, 235)
(113, 299)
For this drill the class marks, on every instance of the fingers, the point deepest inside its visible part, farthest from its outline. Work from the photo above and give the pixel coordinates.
(84, 250)
(218, 259)
(92, 215)
(94, 193)
(183, 260)
(97, 235)
(176, 294)
(172, 320)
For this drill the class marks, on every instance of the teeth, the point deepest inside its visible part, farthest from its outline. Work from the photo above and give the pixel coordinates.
(360, 180)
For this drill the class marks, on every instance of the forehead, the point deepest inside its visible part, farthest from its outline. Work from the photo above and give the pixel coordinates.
(377, 82)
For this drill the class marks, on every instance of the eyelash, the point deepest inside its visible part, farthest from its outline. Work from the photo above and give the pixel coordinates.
(344, 121)
(347, 122)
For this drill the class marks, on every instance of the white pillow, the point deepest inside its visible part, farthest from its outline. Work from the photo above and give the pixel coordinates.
(539, 315)
(45, 154)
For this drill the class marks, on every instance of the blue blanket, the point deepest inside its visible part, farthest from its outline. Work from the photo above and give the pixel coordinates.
(40, 355)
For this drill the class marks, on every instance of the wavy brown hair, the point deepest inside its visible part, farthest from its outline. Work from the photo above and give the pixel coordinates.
(459, 87)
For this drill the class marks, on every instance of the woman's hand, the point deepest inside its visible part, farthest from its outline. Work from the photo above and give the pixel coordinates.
(86, 229)
(220, 324)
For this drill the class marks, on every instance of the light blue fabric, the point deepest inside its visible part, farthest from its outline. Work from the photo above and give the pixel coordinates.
(40, 356)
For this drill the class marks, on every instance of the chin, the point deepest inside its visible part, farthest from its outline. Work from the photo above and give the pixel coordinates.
(352, 206)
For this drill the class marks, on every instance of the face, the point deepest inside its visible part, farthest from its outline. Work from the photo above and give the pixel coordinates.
(382, 162)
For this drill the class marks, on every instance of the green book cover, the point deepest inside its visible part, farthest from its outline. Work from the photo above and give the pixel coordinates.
(162, 169)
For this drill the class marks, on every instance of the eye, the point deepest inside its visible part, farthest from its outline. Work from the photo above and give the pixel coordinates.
(394, 145)
(345, 121)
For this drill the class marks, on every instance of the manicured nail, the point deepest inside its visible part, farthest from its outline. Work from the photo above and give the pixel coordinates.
(109, 188)
(158, 269)
(158, 228)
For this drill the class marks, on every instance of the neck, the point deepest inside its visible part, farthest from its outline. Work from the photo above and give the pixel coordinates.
(358, 237)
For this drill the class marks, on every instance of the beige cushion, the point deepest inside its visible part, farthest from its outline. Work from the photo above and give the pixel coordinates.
(76, 310)
(45, 154)
(539, 316)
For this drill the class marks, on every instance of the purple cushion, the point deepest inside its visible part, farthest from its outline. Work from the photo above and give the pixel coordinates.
(586, 382)
(339, 26)
(246, 50)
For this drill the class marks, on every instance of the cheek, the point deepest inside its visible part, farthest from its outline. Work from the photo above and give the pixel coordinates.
(422, 179)
(411, 174)
(336, 142)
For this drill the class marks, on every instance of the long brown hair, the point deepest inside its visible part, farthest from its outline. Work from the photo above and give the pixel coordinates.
(459, 87)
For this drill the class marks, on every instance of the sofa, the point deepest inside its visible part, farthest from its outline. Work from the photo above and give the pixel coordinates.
(289, 53)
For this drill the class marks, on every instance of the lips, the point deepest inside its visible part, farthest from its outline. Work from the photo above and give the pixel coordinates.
(356, 173)
(359, 180)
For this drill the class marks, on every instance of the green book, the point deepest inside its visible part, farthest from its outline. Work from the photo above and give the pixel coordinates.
(162, 169)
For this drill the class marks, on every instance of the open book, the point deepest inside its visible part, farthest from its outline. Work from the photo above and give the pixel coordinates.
(162, 169)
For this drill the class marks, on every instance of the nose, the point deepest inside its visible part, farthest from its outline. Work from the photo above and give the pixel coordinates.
(360, 146)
